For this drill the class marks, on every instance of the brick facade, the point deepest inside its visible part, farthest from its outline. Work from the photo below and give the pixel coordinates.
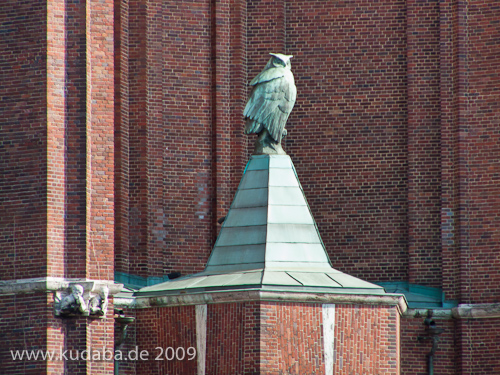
(122, 144)
(272, 338)
(57, 157)
(23, 155)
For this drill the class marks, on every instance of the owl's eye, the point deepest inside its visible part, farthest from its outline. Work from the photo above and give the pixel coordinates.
(278, 61)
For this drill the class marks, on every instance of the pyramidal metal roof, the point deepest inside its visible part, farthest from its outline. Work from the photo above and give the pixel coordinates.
(269, 241)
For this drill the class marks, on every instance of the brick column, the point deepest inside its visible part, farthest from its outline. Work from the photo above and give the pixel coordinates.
(100, 169)
(100, 146)
(247, 334)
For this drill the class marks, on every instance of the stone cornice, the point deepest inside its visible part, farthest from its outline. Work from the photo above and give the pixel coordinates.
(477, 311)
(54, 284)
(463, 311)
(259, 295)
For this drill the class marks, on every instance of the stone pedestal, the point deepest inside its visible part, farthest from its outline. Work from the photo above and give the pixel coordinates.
(268, 301)
(272, 333)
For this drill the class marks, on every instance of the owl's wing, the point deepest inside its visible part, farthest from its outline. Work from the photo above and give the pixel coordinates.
(267, 75)
(270, 105)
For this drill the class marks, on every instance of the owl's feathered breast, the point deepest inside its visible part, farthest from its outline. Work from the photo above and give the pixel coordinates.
(271, 101)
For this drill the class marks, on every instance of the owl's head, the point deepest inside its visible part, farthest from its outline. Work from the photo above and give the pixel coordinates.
(280, 61)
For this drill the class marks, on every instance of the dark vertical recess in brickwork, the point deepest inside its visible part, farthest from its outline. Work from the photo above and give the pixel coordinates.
(449, 146)
(424, 224)
(75, 139)
(213, 117)
(464, 155)
(138, 174)
(238, 85)
(121, 35)
(221, 126)
(265, 34)
(347, 132)
(465, 172)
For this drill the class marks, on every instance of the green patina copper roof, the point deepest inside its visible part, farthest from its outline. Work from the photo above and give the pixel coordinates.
(268, 241)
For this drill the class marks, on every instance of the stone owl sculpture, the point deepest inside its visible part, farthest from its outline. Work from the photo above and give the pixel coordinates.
(270, 103)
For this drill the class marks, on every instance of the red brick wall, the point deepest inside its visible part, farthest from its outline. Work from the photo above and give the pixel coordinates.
(383, 134)
(28, 323)
(23, 144)
(265, 24)
(272, 338)
(160, 328)
(138, 180)
(186, 153)
(423, 143)
(225, 346)
(56, 81)
(479, 150)
(23, 327)
(100, 337)
(367, 340)
(449, 147)
(479, 349)
(348, 130)
(414, 352)
(100, 140)
(122, 139)
(291, 338)
(170, 137)
(57, 160)
(71, 33)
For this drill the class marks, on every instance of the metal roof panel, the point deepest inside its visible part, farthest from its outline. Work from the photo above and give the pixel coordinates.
(247, 216)
(237, 254)
(280, 162)
(292, 233)
(258, 164)
(254, 179)
(242, 236)
(314, 279)
(278, 278)
(283, 177)
(250, 198)
(289, 215)
(290, 196)
(296, 252)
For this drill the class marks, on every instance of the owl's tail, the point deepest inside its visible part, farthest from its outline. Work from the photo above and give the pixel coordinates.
(253, 127)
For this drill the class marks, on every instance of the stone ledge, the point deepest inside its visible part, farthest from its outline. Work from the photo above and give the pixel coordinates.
(54, 284)
(463, 311)
(477, 311)
(259, 295)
